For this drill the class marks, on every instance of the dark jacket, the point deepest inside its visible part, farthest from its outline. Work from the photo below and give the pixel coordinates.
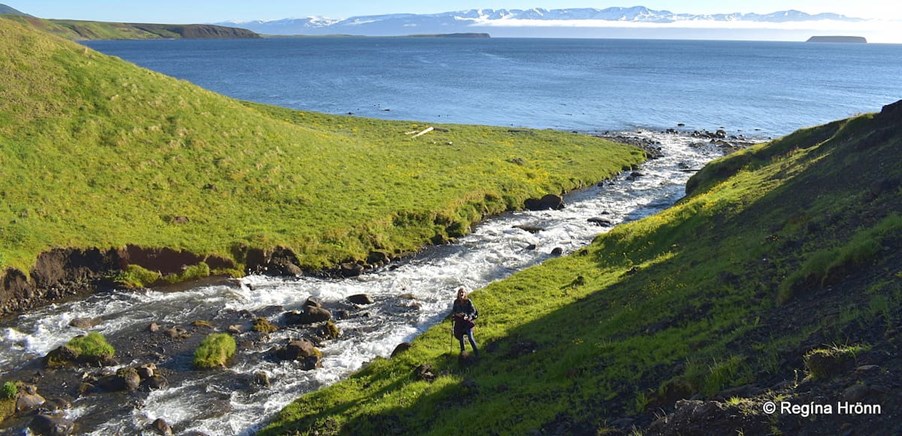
(463, 314)
(465, 308)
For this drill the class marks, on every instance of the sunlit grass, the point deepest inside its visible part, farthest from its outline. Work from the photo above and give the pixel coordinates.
(96, 152)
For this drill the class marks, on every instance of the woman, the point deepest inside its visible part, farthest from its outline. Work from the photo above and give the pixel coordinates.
(463, 315)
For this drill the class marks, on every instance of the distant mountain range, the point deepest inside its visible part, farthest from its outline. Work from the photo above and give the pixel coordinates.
(482, 19)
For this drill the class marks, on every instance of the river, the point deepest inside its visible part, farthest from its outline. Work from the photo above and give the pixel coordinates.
(410, 296)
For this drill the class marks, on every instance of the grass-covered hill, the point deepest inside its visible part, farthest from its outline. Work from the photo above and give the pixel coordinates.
(96, 152)
(6, 10)
(88, 30)
(778, 277)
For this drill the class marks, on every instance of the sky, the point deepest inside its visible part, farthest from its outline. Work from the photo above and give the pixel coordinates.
(207, 11)
(887, 14)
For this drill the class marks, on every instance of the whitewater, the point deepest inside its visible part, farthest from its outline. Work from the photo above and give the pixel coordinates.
(410, 296)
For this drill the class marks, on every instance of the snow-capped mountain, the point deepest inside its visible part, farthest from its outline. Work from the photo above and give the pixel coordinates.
(487, 19)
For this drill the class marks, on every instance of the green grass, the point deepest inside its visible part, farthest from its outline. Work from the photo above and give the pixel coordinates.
(89, 30)
(215, 351)
(96, 152)
(686, 302)
(8, 391)
(92, 346)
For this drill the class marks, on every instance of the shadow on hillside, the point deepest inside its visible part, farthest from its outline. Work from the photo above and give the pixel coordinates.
(701, 319)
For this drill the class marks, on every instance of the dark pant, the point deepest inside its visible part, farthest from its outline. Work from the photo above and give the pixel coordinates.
(469, 334)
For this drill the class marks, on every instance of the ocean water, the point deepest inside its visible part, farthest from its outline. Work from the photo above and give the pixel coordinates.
(756, 88)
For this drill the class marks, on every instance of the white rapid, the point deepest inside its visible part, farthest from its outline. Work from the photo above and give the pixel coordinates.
(410, 296)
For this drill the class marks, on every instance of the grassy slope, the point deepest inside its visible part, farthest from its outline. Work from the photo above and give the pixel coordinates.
(779, 249)
(89, 30)
(96, 152)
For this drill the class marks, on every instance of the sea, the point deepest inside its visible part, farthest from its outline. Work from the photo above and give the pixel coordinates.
(762, 89)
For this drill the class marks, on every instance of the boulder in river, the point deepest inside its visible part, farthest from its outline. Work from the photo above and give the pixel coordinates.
(557, 251)
(261, 378)
(84, 323)
(154, 383)
(125, 379)
(312, 301)
(549, 201)
(28, 400)
(303, 351)
(160, 426)
(176, 333)
(351, 269)
(362, 299)
(601, 222)
(310, 315)
(529, 228)
(52, 425)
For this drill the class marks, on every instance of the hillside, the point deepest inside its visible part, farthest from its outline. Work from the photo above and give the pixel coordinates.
(107, 167)
(6, 10)
(89, 30)
(776, 279)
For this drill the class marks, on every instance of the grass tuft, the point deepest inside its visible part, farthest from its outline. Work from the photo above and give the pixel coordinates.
(92, 346)
(215, 351)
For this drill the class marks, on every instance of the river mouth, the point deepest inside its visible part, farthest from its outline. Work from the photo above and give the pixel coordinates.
(409, 297)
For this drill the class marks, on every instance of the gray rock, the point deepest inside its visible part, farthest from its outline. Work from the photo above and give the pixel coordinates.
(529, 228)
(84, 323)
(51, 425)
(27, 402)
(549, 201)
(147, 370)
(160, 426)
(311, 301)
(310, 315)
(362, 299)
(424, 372)
(402, 347)
(303, 351)
(857, 392)
(601, 222)
(261, 378)
(155, 383)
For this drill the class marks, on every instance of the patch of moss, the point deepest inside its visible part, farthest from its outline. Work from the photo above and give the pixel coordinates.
(193, 272)
(136, 276)
(8, 391)
(262, 325)
(215, 351)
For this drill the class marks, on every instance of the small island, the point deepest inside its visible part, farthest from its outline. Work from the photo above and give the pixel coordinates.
(842, 39)
(452, 35)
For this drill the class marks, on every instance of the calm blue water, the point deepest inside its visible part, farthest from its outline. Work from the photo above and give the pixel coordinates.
(763, 88)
